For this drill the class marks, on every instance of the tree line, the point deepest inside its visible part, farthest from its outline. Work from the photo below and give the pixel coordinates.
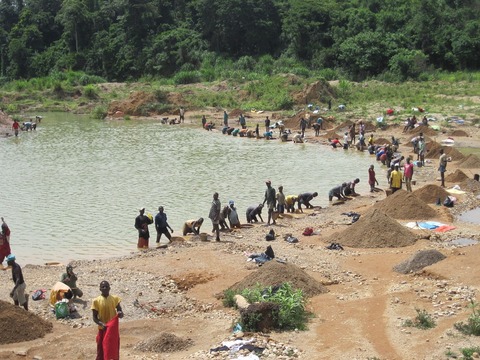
(130, 39)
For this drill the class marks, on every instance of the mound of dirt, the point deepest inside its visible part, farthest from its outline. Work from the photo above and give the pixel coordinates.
(381, 141)
(405, 205)
(344, 126)
(472, 161)
(18, 325)
(375, 229)
(431, 193)
(188, 281)
(165, 342)
(434, 151)
(294, 121)
(419, 260)
(456, 177)
(459, 133)
(332, 135)
(135, 105)
(274, 273)
(470, 185)
(235, 113)
(315, 93)
(426, 130)
(5, 119)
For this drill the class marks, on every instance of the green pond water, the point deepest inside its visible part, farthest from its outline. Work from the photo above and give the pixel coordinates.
(73, 186)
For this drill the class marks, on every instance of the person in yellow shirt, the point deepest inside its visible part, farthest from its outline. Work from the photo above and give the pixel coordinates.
(396, 179)
(105, 307)
(290, 201)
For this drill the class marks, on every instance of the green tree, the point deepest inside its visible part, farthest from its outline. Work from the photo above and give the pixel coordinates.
(72, 15)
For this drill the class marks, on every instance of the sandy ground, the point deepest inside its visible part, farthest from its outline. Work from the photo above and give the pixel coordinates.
(176, 290)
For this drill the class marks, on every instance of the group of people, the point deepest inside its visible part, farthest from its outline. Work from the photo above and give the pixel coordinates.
(26, 125)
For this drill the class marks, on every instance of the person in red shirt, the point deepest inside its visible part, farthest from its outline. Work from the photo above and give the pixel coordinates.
(408, 174)
(15, 127)
(335, 142)
(372, 180)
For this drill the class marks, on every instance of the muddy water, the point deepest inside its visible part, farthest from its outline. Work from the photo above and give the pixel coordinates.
(472, 216)
(72, 188)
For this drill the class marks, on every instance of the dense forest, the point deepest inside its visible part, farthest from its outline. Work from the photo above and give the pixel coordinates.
(191, 39)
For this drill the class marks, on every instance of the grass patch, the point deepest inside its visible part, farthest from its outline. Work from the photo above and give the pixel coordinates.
(468, 352)
(291, 312)
(423, 320)
(472, 326)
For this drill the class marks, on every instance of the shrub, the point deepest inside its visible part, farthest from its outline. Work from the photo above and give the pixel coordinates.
(423, 320)
(472, 326)
(100, 112)
(90, 92)
(291, 312)
(186, 77)
(468, 352)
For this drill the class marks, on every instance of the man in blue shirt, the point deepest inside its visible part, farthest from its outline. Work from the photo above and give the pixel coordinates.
(161, 225)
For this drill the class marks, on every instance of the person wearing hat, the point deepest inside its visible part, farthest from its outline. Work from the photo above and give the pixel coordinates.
(141, 224)
(233, 215)
(271, 200)
(70, 278)
(161, 225)
(18, 291)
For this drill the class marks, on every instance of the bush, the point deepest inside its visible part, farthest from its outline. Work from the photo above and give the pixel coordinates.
(186, 77)
(291, 312)
(468, 352)
(423, 320)
(408, 64)
(90, 92)
(100, 112)
(472, 326)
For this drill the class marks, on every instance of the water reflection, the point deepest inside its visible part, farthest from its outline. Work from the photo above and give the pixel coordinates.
(73, 187)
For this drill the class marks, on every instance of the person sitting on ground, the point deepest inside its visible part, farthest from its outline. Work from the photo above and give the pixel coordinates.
(290, 203)
(252, 212)
(395, 179)
(350, 188)
(305, 199)
(233, 215)
(338, 192)
(69, 278)
(335, 142)
(267, 255)
(192, 226)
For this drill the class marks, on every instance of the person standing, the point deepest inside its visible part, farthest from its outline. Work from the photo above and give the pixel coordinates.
(204, 121)
(18, 292)
(15, 127)
(280, 200)
(70, 278)
(141, 224)
(352, 134)
(303, 126)
(106, 311)
(271, 201)
(233, 215)
(372, 180)
(225, 118)
(242, 121)
(4, 241)
(267, 124)
(214, 215)
(395, 179)
(182, 114)
(161, 225)
(408, 174)
(442, 166)
(329, 104)
(257, 131)
(421, 151)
